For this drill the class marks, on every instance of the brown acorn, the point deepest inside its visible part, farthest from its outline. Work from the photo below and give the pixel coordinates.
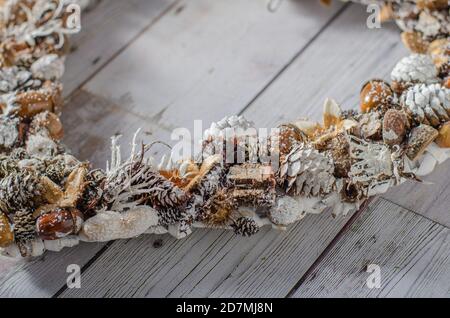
(59, 223)
(375, 94)
(443, 140)
(432, 4)
(34, 102)
(394, 127)
(447, 82)
(6, 233)
(49, 121)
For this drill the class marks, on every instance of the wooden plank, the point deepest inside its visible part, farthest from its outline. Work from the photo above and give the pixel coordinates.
(430, 200)
(207, 59)
(106, 30)
(412, 252)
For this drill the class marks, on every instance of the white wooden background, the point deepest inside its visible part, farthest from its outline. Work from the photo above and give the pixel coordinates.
(161, 64)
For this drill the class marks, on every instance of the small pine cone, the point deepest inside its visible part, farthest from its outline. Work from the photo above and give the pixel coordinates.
(56, 172)
(92, 194)
(8, 166)
(162, 193)
(245, 226)
(416, 68)
(19, 154)
(24, 229)
(19, 190)
(9, 133)
(306, 171)
(428, 104)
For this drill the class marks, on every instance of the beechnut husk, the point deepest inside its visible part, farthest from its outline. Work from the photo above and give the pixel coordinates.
(49, 200)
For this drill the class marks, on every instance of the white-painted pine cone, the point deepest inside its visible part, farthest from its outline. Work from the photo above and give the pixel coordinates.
(111, 225)
(48, 67)
(429, 104)
(415, 68)
(306, 171)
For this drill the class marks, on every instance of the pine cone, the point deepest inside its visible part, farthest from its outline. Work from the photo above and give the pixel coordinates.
(216, 140)
(245, 226)
(7, 166)
(56, 172)
(306, 171)
(18, 191)
(416, 68)
(9, 133)
(24, 229)
(428, 104)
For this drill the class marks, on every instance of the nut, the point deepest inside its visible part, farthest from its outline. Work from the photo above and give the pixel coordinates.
(443, 140)
(375, 94)
(394, 127)
(6, 233)
(59, 223)
(420, 138)
(431, 4)
(34, 102)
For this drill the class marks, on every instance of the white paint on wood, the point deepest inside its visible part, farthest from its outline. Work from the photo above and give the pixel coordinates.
(412, 252)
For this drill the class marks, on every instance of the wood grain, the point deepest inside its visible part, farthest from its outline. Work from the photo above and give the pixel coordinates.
(106, 30)
(413, 254)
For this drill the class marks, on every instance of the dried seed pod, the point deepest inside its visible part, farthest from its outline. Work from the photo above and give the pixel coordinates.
(415, 42)
(443, 140)
(439, 50)
(370, 126)
(59, 223)
(339, 149)
(6, 233)
(332, 114)
(376, 94)
(420, 138)
(432, 4)
(394, 127)
(289, 136)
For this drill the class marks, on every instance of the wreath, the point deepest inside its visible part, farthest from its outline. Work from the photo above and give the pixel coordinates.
(50, 200)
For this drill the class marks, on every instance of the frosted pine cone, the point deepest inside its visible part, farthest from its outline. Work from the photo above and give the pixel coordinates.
(306, 171)
(233, 132)
(24, 229)
(428, 104)
(19, 190)
(245, 226)
(416, 68)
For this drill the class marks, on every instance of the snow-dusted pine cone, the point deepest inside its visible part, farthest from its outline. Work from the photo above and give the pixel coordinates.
(24, 229)
(9, 133)
(306, 171)
(416, 68)
(220, 133)
(245, 226)
(19, 190)
(428, 104)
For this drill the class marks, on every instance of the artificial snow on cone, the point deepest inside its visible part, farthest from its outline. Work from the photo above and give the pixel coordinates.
(306, 171)
(428, 104)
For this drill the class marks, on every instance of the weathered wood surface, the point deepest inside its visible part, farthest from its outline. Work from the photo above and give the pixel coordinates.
(412, 252)
(203, 60)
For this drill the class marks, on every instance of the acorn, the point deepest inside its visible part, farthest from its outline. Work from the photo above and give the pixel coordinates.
(443, 139)
(49, 121)
(6, 233)
(375, 94)
(59, 223)
(34, 102)
(395, 124)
